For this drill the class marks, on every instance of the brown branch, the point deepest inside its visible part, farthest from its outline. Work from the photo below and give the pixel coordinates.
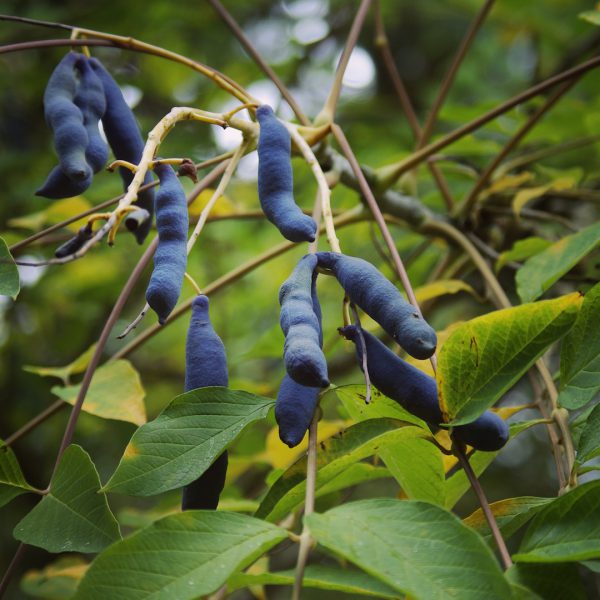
(389, 174)
(485, 506)
(12, 567)
(258, 59)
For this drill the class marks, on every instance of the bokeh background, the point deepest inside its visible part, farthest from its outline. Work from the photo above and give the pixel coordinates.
(61, 310)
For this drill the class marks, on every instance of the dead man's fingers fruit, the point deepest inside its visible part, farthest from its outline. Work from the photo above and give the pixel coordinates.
(58, 185)
(417, 392)
(170, 258)
(205, 365)
(367, 287)
(294, 409)
(125, 139)
(92, 103)
(302, 354)
(75, 243)
(275, 180)
(135, 218)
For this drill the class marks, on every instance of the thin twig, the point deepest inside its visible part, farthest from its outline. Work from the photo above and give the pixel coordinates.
(485, 506)
(327, 113)
(467, 205)
(464, 47)
(40, 234)
(251, 50)
(363, 358)
(12, 567)
(306, 540)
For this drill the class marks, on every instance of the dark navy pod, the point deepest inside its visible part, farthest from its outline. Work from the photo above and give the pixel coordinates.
(92, 103)
(125, 139)
(367, 287)
(275, 180)
(170, 258)
(294, 409)
(302, 354)
(58, 185)
(71, 246)
(417, 392)
(66, 120)
(205, 365)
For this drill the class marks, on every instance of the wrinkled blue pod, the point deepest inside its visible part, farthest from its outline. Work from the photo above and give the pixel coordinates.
(367, 287)
(417, 393)
(125, 139)
(170, 258)
(205, 365)
(275, 180)
(92, 103)
(302, 354)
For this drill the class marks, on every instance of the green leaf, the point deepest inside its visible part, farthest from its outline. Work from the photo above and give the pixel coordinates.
(566, 530)
(116, 392)
(349, 581)
(182, 556)
(510, 515)
(521, 250)
(557, 581)
(56, 581)
(10, 283)
(353, 399)
(591, 16)
(185, 439)
(77, 366)
(74, 516)
(544, 269)
(484, 357)
(335, 455)
(589, 442)
(418, 467)
(443, 287)
(580, 355)
(12, 480)
(415, 547)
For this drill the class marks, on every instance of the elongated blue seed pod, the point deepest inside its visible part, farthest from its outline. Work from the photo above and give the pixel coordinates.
(294, 409)
(205, 365)
(302, 354)
(58, 185)
(367, 287)
(92, 103)
(275, 180)
(170, 258)
(66, 120)
(70, 246)
(125, 139)
(417, 392)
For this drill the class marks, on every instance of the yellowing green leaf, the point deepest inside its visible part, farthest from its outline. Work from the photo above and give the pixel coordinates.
(224, 205)
(116, 392)
(524, 196)
(59, 210)
(591, 16)
(77, 366)
(58, 580)
(508, 182)
(522, 250)
(484, 357)
(443, 287)
(544, 269)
